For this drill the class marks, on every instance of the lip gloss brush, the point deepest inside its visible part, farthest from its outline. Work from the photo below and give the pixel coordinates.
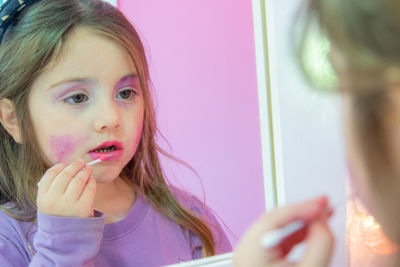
(101, 159)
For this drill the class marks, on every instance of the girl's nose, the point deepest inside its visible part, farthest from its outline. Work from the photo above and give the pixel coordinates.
(107, 117)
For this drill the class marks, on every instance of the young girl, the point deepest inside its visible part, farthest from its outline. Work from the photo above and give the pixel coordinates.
(365, 40)
(74, 88)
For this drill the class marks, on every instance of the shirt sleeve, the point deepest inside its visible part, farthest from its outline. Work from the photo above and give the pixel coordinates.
(66, 241)
(12, 253)
(58, 241)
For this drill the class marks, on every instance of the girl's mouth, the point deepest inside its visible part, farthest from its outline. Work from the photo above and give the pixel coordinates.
(113, 149)
(105, 149)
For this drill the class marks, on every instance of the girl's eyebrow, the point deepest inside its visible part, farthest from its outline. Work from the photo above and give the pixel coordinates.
(127, 77)
(89, 80)
(72, 80)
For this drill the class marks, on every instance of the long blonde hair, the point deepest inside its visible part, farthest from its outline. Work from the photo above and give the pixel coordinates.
(27, 49)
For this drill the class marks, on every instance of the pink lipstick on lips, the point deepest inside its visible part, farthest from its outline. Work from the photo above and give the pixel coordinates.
(107, 151)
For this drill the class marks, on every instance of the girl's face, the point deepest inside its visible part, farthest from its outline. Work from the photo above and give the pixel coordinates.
(89, 103)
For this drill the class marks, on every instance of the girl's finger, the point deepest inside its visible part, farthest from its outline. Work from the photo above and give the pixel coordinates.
(87, 196)
(77, 184)
(319, 245)
(49, 176)
(62, 180)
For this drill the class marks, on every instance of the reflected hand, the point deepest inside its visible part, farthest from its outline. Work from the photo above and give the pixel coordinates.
(316, 234)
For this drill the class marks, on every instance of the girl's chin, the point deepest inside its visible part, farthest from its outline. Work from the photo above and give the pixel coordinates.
(103, 180)
(106, 176)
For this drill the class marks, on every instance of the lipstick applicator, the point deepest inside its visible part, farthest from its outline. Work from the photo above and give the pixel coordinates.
(101, 159)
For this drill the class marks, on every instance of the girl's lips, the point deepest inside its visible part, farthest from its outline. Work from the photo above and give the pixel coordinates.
(112, 155)
(118, 145)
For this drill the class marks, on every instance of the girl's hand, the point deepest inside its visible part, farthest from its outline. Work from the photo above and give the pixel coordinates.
(67, 190)
(317, 235)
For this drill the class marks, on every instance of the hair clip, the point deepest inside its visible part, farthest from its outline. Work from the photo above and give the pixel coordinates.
(8, 10)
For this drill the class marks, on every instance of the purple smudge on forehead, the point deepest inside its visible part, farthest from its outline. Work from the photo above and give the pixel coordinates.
(61, 147)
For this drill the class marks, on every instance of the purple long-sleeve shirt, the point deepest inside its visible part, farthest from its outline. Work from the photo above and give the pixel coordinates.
(143, 238)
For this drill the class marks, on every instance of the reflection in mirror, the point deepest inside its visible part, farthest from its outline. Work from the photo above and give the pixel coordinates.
(76, 88)
(203, 71)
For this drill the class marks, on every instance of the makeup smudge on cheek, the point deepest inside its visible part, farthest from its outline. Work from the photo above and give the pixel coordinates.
(63, 146)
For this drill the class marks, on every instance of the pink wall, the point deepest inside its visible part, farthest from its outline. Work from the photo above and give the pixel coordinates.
(202, 63)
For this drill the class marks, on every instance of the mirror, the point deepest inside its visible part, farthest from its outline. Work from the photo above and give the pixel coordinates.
(202, 62)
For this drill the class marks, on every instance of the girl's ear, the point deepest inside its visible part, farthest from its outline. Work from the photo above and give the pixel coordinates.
(8, 118)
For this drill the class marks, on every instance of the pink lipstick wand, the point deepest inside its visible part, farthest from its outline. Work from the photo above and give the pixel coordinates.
(101, 159)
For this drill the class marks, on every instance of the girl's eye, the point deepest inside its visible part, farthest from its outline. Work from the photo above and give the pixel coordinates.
(126, 94)
(76, 99)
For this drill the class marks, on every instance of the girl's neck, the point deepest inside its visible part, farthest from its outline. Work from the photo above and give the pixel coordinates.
(114, 199)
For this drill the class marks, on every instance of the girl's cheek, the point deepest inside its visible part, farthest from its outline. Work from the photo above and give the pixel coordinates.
(133, 146)
(139, 134)
(63, 147)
